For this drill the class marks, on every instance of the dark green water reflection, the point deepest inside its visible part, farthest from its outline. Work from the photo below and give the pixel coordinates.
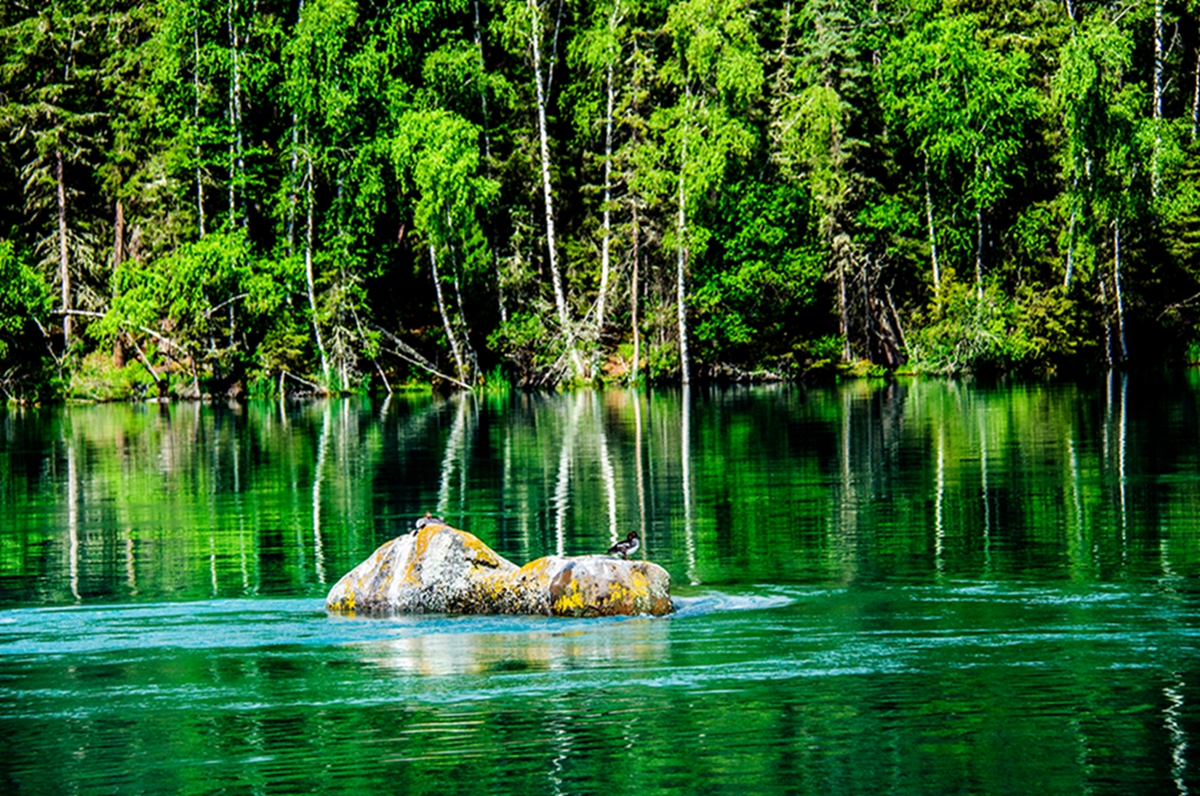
(911, 588)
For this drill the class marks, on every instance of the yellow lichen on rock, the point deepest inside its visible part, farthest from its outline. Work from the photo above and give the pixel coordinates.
(570, 602)
(443, 569)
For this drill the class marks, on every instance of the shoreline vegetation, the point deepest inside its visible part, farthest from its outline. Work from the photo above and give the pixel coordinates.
(325, 197)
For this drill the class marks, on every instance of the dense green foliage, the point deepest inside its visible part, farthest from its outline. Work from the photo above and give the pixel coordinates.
(332, 193)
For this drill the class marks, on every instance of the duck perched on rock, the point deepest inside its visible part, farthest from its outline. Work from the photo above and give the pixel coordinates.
(626, 548)
(428, 519)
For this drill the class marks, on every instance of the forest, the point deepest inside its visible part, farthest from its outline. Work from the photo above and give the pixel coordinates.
(233, 197)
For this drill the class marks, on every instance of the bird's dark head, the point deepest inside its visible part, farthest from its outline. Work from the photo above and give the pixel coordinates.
(632, 535)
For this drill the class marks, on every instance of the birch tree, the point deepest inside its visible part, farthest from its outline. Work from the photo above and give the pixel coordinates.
(716, 70)
(599, 51)
(528, 27)
(436, 155)
(1103, 147)
(319, 104)
(966, 109)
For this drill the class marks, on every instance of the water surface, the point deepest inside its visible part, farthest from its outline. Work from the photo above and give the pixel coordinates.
(927, 587)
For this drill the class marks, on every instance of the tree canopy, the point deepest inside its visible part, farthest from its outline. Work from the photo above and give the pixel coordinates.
(334, 195)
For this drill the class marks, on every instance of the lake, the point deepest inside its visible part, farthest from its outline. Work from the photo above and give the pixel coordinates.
(911, 587)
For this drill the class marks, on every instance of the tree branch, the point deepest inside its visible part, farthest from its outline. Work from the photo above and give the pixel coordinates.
(412, 356)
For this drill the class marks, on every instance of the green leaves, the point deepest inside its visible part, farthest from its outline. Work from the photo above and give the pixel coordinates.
(25, 298)
(436, 155)
(750, 296)
(777, 173)
(964, 105)
(184, 298)
(990, 332)
(716, 71)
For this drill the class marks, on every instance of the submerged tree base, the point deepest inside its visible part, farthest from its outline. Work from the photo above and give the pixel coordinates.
(439, 569)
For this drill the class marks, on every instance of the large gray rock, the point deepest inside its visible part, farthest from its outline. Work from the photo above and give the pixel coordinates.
(440, 569)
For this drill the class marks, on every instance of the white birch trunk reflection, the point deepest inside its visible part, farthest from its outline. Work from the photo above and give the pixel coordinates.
(72, 520)
(562, 481)
(212, 562)
(454, 458)
(606, 468)
(130, 570)
(939, 502)
(685, 458)
(318, 475)
(641, 481)
(1076, 502)
(844, 523)
(1122, 426)
(1173, 719)
(984, 494)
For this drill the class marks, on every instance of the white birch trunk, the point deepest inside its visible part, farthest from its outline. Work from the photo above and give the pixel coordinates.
(237, 128)
(487, 144)
(560, 300)
(468, 350)
(118, 233)
(1155, 177)
(633, 295)
(843, 313)
(437, 286)
(1117, 289)
(979, 253)
(1196, 96)
(64, 260)
(1071, 236)
(1108, 357)
(937, 276)
(607, 241)
(681, 264)
(310, 282)
(232, 117)
(196, 89)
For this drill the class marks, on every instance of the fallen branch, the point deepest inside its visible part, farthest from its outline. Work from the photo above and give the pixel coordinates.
(141, 357)
(1178, 305)
(412, 356)
(425, 367)
(225, 303)
(165, 340)
(316, 387)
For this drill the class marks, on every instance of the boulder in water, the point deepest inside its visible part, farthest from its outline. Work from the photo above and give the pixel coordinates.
(439, 569)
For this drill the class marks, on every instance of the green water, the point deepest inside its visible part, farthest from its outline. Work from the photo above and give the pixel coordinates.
(915, 588)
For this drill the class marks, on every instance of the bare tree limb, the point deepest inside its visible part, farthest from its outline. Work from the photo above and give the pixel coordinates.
(225, 303)
(412, 356)
(305, 382)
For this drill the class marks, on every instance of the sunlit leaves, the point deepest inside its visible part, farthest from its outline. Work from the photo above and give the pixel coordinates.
(963, 105)
(437, 154)
(193, 290)
(24, 298)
